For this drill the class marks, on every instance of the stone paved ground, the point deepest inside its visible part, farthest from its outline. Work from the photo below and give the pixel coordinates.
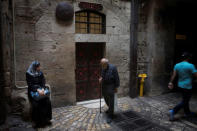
(74, 118)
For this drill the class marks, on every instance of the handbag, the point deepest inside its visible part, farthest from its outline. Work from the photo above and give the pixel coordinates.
(39, 97)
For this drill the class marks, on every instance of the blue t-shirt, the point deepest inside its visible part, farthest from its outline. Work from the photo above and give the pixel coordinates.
(185, 71)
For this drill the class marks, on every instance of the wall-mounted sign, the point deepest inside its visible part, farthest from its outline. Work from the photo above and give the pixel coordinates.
(180, 37)
(90, 6)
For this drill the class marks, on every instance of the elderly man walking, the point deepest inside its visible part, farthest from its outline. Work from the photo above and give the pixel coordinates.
(110, 82)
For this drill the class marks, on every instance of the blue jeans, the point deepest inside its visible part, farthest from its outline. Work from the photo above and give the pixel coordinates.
(186, 96)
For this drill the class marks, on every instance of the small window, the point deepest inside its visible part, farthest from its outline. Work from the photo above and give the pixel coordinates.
(89, 23)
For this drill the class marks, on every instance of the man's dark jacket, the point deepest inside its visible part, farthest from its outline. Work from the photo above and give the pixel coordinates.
(110, 79)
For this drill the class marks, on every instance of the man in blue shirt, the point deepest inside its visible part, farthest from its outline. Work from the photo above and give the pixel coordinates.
(185, 72)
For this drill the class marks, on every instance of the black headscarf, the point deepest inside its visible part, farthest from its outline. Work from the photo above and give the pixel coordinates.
(32, 69)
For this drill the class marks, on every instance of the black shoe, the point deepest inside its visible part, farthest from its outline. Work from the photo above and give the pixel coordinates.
(111, 116)
(48, 123)
(107, 112)
(36, 125)
(191, 114)
(109, 120)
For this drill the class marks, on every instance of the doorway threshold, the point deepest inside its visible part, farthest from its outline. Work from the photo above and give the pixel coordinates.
(92, 103)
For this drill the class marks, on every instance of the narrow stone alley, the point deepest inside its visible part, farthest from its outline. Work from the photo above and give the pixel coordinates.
(142, 113)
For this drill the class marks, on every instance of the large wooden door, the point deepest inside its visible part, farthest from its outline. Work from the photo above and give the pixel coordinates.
(88, 70)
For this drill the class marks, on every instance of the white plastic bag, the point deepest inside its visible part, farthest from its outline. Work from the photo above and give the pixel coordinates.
(115, 102)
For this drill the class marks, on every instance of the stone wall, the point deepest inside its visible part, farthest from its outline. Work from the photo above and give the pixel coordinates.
(156, 39)
(39, 36)
(117, 38)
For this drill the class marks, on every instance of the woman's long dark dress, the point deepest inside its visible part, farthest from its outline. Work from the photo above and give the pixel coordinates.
(41, 109)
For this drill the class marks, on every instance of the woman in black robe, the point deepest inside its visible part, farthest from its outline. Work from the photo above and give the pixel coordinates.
(38, 95)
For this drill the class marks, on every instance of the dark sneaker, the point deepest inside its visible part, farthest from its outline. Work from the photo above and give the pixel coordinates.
(190, 114)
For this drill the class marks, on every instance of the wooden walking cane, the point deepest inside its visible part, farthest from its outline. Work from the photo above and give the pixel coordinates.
(100, 95)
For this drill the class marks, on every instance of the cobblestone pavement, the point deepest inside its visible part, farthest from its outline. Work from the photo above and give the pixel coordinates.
(153, 110)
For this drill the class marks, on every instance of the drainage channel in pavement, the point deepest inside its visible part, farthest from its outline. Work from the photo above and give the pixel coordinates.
(130, 121)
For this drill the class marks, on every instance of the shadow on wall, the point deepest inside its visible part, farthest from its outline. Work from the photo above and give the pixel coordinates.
(64, 23)
(2, 97)
(165, 14)
(3, 112)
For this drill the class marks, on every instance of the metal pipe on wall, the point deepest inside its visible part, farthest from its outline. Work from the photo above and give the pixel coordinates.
(14, 47)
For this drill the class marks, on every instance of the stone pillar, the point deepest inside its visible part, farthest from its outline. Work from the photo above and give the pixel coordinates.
(133, 47)
(156, 32)
(7, 44)
(6, 56)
